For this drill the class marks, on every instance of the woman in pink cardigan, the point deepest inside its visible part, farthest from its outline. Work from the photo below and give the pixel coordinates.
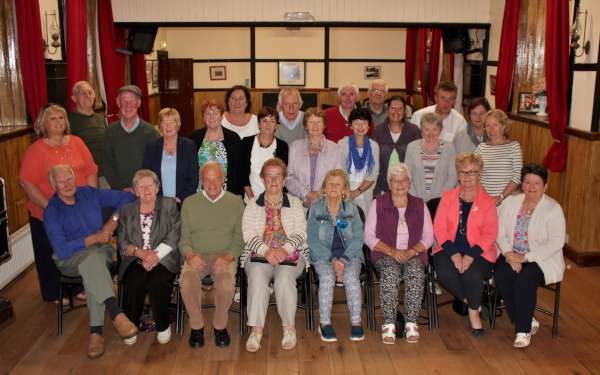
(465, 228)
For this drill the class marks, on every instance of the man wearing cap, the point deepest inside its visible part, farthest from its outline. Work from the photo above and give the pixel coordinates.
(126, 139)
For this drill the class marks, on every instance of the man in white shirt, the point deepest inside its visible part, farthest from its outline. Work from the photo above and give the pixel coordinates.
(445, 97)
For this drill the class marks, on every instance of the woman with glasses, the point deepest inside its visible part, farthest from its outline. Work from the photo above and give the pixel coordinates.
(335, 240)
(465, 228)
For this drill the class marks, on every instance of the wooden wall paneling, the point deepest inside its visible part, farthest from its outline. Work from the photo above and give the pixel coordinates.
(11, 152)
(153, 107)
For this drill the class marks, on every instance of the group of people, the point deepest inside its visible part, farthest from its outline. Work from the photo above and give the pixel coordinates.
(281, 191)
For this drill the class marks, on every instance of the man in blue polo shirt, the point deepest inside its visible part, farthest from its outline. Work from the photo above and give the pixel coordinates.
(81, 243)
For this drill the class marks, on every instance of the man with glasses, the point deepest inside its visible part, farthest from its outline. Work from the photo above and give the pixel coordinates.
(445, 98)
(376, 103)
(289, 104)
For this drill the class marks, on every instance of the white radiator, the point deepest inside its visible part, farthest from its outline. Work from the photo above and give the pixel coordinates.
(21, 256)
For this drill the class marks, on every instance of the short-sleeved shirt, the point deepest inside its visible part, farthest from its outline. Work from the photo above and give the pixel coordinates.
(40, 157)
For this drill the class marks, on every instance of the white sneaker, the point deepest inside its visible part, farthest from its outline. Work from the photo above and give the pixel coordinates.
(388, 334)
(253, 342)
(535, 326)
(289, 339)
(130, 341)
(164, 337)
(522, 340)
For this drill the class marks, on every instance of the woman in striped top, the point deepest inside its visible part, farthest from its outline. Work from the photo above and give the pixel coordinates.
(502, 158)
(431, 161)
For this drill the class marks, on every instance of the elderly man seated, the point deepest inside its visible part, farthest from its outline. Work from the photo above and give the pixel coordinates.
(211, 241)
(73, 221)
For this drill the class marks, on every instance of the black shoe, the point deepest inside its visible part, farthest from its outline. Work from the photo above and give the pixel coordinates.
(221, 337)
(477, 332)
(197, 338)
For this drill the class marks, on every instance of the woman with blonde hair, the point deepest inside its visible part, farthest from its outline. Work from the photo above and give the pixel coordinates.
(335, 239)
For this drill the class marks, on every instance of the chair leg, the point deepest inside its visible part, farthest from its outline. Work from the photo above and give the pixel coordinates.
(59, 317)
(491, 294)
(242, 283)
(309, 302)
(177, 311)
(556, 309)
(494, 305)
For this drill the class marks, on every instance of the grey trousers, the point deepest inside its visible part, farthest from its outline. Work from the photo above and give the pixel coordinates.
(284, 283)
(92, 264)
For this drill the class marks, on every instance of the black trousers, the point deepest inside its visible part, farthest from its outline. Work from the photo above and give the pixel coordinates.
(48, 274)
(519, 291)
(158, 284)
(467, 285)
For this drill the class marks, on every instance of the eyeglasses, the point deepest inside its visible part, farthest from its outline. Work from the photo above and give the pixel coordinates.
(377, 91)
(468, 173)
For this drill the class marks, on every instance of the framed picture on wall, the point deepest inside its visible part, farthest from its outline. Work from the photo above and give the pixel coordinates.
(493, 84)
(372, 71)
(528, 103)
(154, 74)
(148, 71)
(291, 73)
(218, 73)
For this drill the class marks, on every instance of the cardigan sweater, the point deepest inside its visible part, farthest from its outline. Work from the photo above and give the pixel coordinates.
(444, 175)
(186, 174)
(546, 234)
(233, 146)
(281, 152)
(482, 225)
(165, 229)
(293, 221)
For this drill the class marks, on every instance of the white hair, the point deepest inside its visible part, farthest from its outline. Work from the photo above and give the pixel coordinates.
(400, 170)
(352, 85)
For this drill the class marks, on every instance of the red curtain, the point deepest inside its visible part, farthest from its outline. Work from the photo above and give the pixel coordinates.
(113, 63)
(138, 77)
(31, 55)
(409, 71)
(422, 54)
(507, 56)
(76, 44)
(434, 60)
(557, 81)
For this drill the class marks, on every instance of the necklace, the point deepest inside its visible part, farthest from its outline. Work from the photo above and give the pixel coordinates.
(275, 204)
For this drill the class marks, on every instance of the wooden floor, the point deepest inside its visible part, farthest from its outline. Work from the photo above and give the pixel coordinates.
(30, 346)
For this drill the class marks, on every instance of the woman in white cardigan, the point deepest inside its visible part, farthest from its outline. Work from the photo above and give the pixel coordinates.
(431, 161)
(274, 229)
(531, 238)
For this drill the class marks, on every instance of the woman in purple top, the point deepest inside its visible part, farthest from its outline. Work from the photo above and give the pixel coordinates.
(398, 230)
(311, 158)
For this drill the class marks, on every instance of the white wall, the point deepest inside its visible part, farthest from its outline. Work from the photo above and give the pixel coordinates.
(322, 10)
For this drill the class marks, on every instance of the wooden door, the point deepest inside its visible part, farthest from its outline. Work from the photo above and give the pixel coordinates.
(176, 86)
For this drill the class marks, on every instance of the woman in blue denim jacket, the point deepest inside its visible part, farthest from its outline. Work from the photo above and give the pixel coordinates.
(335, 240)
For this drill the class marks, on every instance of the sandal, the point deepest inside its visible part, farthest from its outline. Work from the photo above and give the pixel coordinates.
(253, 343)
(411, 331)
(388, 334)
(289, 339)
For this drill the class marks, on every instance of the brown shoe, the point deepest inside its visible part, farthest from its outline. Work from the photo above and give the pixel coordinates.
(124, 327)
(95, 346)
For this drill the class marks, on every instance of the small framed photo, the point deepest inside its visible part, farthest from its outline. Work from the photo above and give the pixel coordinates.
(155, 73)
(292, 73)
(372, 71)
(149, 71)
(218, 73)
(528, 103)
(493, 84)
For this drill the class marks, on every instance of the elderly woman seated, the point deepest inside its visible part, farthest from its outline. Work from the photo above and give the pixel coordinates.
(335, 238)
(531, 238)
(81, 243)
(398, 231)
(465, 227)
(274, 230)
(148, 233)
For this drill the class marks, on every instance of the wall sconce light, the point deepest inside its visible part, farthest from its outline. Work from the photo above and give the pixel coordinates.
(579, 44)
(52, 31)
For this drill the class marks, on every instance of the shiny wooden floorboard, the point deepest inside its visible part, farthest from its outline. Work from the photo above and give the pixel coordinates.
(30, 346)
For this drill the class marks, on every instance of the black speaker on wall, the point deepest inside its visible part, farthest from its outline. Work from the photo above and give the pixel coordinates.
(56, 81)
(456, 39)
(141, 38)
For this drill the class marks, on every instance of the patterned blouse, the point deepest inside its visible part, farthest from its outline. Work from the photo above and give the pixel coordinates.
(521, 236)
(146, 223)
(429, 164)
(212, 151)
(274, 236)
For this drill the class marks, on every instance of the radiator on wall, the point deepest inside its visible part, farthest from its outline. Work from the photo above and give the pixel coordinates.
(22, 256)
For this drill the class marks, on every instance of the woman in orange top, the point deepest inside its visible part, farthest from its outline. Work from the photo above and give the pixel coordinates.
(465, 228)
(54, 146)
